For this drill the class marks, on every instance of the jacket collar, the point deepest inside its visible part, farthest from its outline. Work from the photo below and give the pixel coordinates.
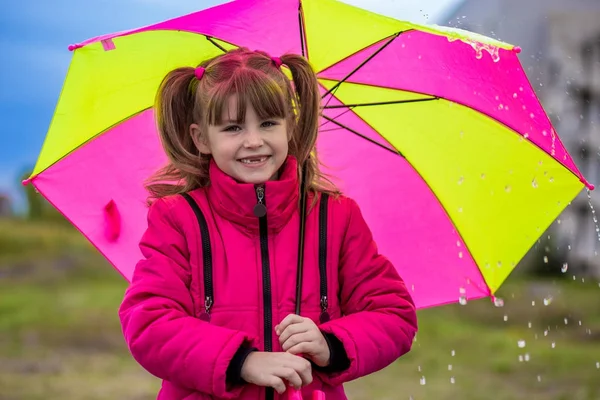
(235, 201)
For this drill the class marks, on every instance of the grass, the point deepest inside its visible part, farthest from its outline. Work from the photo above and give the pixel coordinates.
(60, 337)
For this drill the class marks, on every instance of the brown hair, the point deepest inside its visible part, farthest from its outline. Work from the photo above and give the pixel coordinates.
(253, 76)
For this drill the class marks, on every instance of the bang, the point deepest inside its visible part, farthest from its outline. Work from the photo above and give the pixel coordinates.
(250, 87)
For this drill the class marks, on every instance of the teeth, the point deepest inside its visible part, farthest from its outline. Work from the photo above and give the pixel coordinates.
(253, 160)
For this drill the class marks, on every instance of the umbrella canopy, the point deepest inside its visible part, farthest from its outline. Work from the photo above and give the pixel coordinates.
(436, 132)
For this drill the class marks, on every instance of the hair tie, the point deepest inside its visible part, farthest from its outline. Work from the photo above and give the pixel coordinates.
(277, 61)
(199, 72)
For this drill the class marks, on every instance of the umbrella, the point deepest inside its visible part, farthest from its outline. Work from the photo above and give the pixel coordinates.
(436, 132)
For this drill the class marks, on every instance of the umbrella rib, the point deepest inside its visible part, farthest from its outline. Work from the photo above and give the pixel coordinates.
(210, 39)
(301, 25)
(380, 103)
(362, 136)
(362, 64)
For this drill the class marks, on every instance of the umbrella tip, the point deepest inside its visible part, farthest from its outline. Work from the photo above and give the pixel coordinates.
(517, 49)
(26, 182)
(73, 47)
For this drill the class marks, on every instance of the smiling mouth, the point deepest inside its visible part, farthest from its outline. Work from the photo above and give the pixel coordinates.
(253, 160)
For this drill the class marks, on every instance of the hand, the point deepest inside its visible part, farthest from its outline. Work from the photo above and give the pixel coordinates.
(271, 369)
(298, 335)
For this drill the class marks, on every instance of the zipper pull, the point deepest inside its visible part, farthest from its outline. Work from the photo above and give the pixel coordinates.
(324, 317)
(260, 210)
(208, 303)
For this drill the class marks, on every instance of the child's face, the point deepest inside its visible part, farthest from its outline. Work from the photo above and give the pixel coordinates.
(251, 152)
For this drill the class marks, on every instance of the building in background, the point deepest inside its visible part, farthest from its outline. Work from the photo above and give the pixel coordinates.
(561, 55)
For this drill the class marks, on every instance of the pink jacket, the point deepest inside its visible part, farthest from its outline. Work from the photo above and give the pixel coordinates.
(372, 313)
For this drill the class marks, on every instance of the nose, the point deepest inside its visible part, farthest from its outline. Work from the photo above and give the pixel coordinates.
(253, 139)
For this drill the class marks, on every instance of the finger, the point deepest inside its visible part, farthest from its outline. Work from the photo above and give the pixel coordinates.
(297, 338)
(290, 319)
(303, 348)
(293, 329)
(304, 369)
(278, 384)
(290, 375)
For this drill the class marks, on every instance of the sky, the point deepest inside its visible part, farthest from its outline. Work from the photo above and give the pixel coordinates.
(35, 34)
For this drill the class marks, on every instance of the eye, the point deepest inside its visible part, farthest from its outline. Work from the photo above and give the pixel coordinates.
(232, 128)
(268, 124)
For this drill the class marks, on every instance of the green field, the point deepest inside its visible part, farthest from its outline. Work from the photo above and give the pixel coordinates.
(60, 337)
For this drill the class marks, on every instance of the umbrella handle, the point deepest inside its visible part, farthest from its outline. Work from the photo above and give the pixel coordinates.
(297, 395)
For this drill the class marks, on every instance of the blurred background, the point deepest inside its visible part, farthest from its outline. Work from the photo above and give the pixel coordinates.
(59, 333)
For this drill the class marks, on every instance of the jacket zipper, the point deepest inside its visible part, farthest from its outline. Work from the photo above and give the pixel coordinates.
(260, 212)
(324, 317)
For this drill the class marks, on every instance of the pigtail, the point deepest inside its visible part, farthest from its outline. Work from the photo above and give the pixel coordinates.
(304, 138)
(174, 108)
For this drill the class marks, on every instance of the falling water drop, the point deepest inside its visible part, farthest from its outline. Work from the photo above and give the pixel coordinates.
(449, 367)
(539, 378)
(553, 345)
(505, 317)
(545, 259)
(498, 302)
(534, 183)
(598, 365)
(520, 358)
(527, 358)
(462, 300)
(453, 353)
(460, 254)
(452, 381)
(589, 195)
(423, 381)
(507, 188)
(533, 303)
(566, 321)
(461, 180)
(521, 343)
(548, 300)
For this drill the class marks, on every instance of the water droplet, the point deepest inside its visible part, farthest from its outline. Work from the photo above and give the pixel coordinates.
(553, 345)
(548, 300)
(598, 365)
(449, 367)
(531, 115)
(527, 358)
(520, 358)
(423, 381)
(526, 135)
(514, 95)
(460, 254)
(498, 302)
(419, 368)
(534, 183)
(505, 317)
(520, 88)
(482, 176)
(546, 333)
(545, 259)
(521, 343)
(460, 209)
(458, 244)
(533, 303)
(539, 378)
(529, 325)
(507, 188)
(462, 300)
(566, 321)
(452, 381)
(453, 353)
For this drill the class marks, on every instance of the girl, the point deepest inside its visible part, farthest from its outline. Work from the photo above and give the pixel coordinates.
(210, 309)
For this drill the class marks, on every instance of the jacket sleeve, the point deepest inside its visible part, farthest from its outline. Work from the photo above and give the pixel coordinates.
(157, 316)
(379, 319)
